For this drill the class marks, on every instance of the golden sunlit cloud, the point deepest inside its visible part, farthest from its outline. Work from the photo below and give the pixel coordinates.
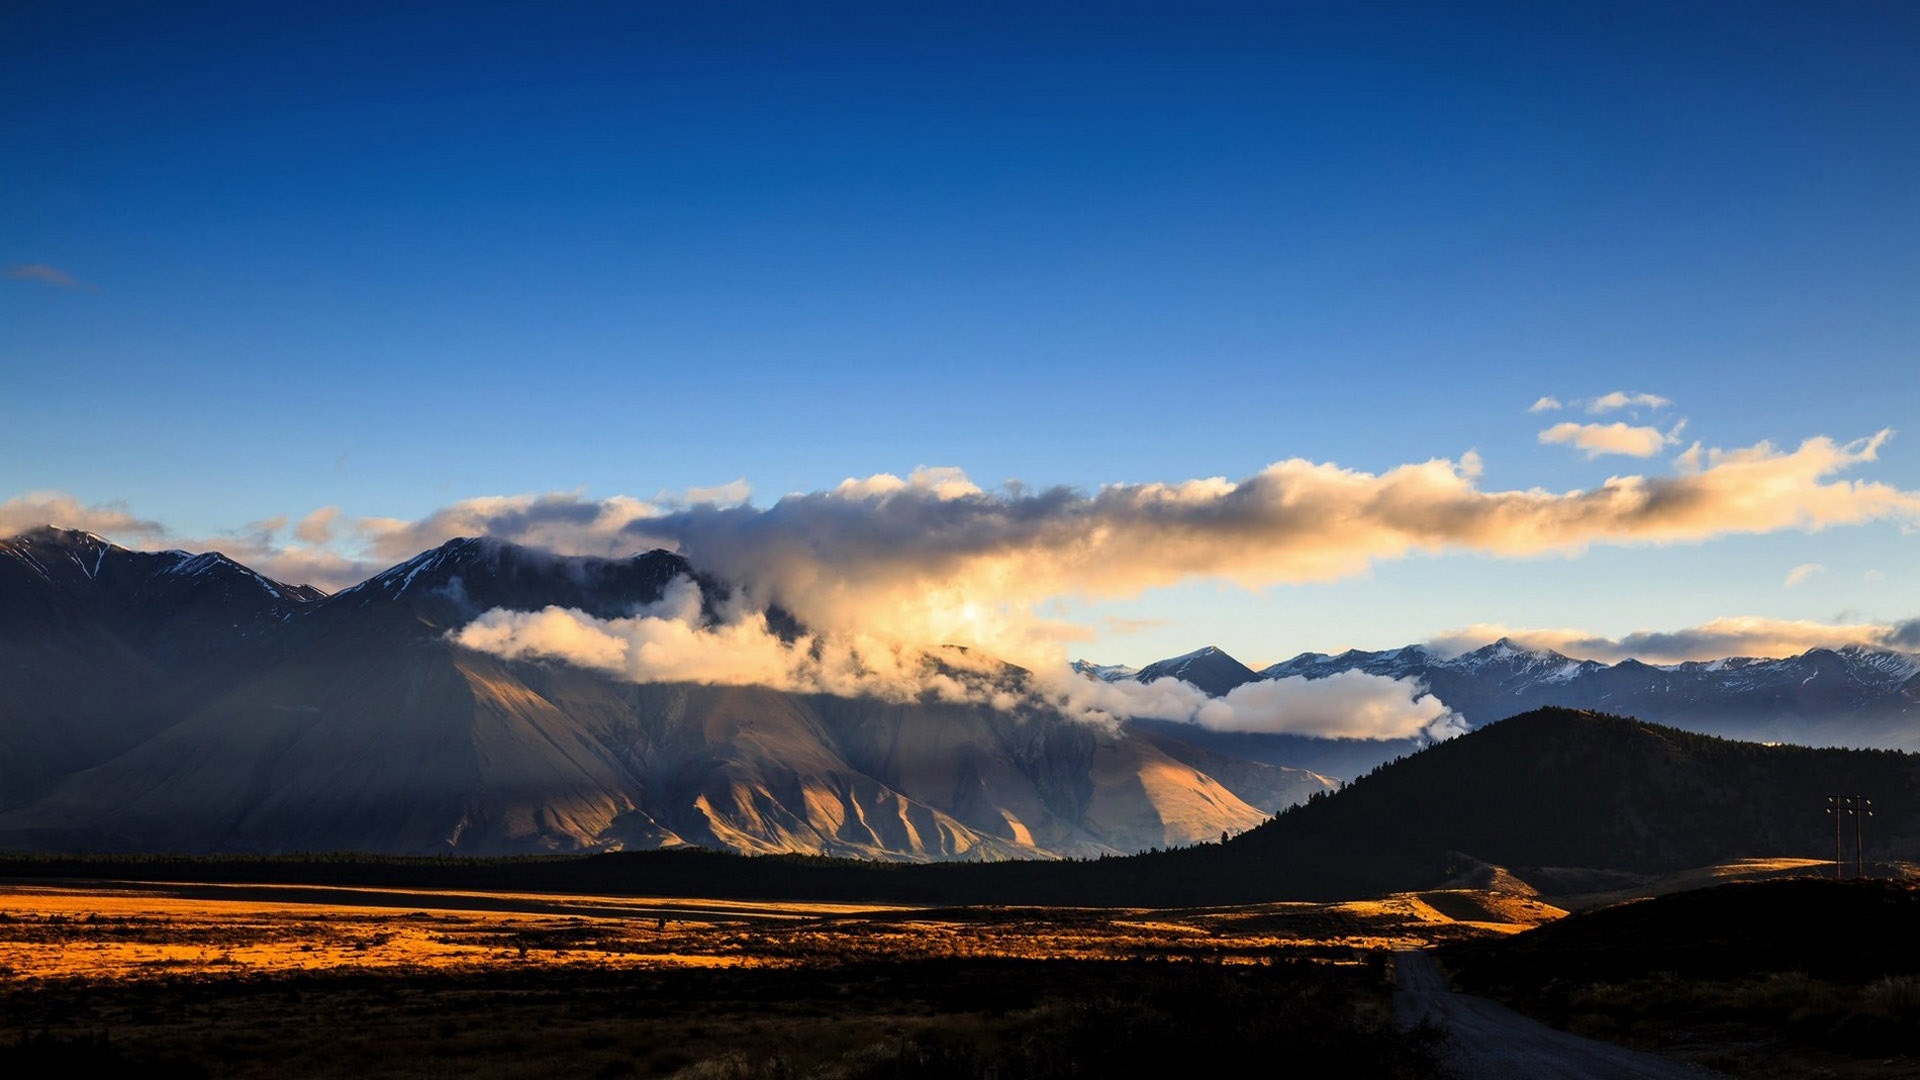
(36, 509)
(933, 559)
(1614, 438)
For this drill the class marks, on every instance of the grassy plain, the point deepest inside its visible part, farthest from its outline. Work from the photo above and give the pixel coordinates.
(276, 980)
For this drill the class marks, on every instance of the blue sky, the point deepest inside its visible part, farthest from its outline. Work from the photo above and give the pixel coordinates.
(388, 257)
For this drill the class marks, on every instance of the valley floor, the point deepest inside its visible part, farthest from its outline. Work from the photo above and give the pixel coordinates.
(129, 930)
(250, 980)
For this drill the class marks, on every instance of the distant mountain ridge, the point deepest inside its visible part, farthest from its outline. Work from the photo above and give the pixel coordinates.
(165, 701)
(1849, 696)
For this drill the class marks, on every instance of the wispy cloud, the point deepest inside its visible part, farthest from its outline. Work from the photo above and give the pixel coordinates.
(1547, 403)
(318, 527)
(111, 519)
(1121, 626)
(1735, 636)
(1621, 399)
(1799, 574)
(46, 275)
(731, 493)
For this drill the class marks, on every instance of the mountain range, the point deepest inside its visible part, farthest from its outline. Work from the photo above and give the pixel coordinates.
(177, 702)
(1557, 802)
(1850, 696)
(169, 701)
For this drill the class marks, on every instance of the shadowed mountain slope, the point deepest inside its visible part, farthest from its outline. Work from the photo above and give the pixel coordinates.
(354, 722)
(1553, 789)
(100, 647)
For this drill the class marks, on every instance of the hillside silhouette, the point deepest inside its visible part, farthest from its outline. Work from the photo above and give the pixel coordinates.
(1796, 977)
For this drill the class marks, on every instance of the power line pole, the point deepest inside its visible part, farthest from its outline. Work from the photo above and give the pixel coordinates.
(1855, 807)
(1862, 807)
(1834, 803)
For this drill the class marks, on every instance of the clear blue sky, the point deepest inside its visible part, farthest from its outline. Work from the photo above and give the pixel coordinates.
(387, 256)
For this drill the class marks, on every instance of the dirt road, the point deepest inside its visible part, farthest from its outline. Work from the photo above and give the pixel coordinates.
(1489, 1041)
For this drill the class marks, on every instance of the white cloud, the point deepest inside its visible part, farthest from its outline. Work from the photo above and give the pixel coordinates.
(1799, 574)
(1349, 705)
(1614, 438)
(1547, 403)
(1620, 399)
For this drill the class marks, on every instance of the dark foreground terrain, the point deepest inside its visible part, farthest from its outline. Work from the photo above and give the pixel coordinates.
(1484, 1040)
(925, 1018)
(1795, 978)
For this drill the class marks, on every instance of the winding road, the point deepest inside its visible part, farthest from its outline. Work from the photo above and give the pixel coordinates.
(1488, 1041)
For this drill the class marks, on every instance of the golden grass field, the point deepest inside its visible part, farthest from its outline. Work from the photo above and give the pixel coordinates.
(204, 980)
(135, 930)
(232, 980)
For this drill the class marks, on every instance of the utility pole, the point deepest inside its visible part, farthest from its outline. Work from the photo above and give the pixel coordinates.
(1834, 803)
(1862, 807)
(1855, 807)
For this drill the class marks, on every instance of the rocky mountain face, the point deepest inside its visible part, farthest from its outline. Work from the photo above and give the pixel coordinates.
(1825, 697)
(166, 701)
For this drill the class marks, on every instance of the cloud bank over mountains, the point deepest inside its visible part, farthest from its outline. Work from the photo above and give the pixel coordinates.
(886, 570)
(933, 558)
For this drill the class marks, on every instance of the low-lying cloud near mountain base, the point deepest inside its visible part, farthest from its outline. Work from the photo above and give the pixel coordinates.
(673, 641)
(1349, 705)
